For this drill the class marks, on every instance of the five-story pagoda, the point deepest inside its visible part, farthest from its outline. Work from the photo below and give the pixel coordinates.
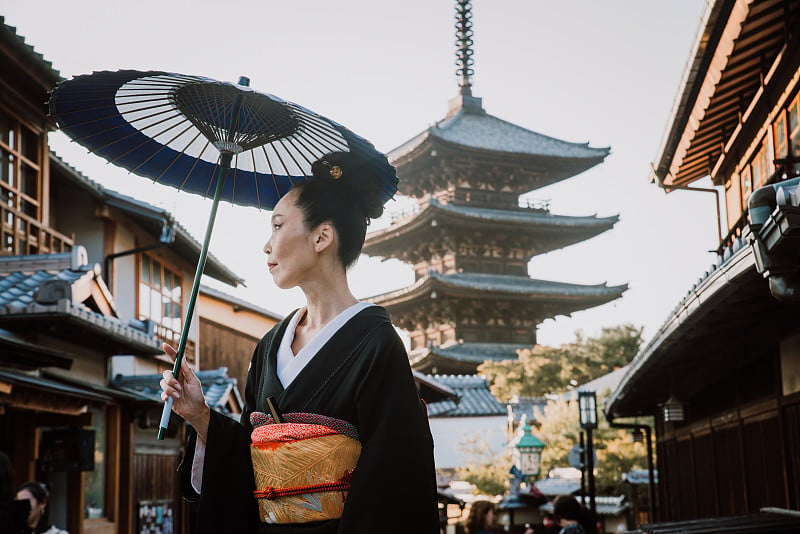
(470, 239)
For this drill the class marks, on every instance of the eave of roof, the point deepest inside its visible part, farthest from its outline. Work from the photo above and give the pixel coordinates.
(716, 317)
(49, 76)
(469, 352)
(221, 295)
(151, 218)
(487, 133)
(469, 216)
(737, 44)
(479, 285)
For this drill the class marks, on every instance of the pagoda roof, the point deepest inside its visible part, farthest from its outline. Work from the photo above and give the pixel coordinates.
(571, 229)
(482, 285)
(476, 129)
(471, 353)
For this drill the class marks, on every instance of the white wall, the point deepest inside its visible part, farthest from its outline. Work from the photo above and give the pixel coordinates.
(451, 432)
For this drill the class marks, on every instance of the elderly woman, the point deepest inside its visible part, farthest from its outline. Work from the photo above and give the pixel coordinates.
(335, 358)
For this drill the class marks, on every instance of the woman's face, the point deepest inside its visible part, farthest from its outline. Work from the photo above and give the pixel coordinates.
(291, 255)
(37, 508)
(490, 517)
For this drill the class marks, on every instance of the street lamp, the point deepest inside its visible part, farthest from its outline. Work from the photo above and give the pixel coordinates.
(527, 453)
(587, 411)
(587, 406)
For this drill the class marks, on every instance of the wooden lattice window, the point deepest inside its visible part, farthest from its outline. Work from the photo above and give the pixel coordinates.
(161, 298)
(20, 185)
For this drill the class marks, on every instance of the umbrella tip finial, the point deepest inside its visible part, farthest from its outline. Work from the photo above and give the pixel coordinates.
(244, 80)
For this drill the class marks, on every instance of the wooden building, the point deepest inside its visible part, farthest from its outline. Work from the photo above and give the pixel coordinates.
(470, 240)
(722, 374)
(91, 283)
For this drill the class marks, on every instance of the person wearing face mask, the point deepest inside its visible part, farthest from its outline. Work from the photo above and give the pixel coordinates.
(337, 365)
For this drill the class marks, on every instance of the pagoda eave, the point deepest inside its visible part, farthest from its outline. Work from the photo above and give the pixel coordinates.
(534, 171)
(562, 297)
(550, 232)
(461, 358)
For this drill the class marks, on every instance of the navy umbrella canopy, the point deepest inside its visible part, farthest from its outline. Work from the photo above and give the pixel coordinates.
(171, 128)
(217, 139)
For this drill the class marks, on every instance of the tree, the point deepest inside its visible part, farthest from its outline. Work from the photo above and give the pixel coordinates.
(484, 469)
(542, 370)
(616, 453)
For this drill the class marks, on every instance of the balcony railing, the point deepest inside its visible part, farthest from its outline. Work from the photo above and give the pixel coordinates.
(21, 234)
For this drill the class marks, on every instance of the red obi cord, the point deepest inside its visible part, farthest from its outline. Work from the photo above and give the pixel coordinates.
(343, 484)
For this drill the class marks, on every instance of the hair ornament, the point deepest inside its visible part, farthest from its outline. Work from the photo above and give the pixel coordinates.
(335, 170)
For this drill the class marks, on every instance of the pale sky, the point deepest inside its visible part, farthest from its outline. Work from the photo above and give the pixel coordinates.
(603, 72)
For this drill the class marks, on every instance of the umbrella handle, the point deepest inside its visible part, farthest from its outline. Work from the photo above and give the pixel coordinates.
(224, 166)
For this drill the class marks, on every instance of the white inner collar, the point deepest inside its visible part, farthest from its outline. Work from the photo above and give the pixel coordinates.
(289, 364)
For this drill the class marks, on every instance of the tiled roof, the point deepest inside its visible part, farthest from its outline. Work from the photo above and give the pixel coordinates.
(212, 292)
(528, 217)
(22, 276)
(639, 476)
(472, 352)
(522, 285)
(553, 487)
(217, 387)
(30, 56)
(609, 506)
(479, 130)
(736, 262)
(151, 218)
(475, 399)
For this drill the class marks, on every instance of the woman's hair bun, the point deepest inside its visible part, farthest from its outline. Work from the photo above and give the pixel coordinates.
(362, 179)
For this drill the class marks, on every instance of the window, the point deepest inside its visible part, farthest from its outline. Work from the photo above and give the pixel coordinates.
(20, 185)
(160, 298)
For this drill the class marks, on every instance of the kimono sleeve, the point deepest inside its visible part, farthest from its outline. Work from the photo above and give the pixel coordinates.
(394, 484)
(226, 500)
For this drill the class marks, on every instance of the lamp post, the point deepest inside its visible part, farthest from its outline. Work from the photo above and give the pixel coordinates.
(587, 410)
(527, 453)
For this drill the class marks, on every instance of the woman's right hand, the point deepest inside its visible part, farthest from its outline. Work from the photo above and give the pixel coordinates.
(187, 394)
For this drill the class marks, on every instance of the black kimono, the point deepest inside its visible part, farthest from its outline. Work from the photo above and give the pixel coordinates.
(361, 375)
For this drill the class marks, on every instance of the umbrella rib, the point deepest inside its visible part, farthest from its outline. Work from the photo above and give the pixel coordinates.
(105, 106)
(115, 127)
(255, 179)
(194, 165)
(131, 135)
(291, 153)
(310, 150)
(164, 145)
(136, 147)
(271, 172)
(285, 168)
(178, 155)
(326, 143)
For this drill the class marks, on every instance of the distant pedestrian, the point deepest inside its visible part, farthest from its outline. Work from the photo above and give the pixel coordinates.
(13, 514)
(38, 495)
(482, 516)
(569, 514)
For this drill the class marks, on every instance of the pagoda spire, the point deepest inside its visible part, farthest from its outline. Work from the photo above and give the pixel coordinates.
(464, 42)
(464, 62)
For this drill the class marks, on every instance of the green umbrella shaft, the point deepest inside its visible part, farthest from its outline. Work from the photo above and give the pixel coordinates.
(225, 165)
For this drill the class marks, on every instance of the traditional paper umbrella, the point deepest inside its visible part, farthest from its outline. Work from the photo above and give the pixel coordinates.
(192, 132)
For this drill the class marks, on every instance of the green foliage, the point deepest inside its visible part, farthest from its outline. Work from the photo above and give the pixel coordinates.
(484, 469)
(542, 370)
(616, 453)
